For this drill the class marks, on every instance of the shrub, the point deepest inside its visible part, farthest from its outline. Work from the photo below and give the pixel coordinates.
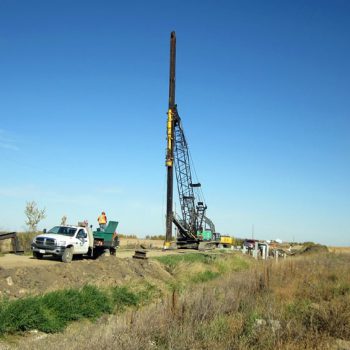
(123, 297)
(74, 304)
(21, 315)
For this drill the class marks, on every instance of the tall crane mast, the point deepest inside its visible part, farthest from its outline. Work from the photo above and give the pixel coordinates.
(170, 142)
(193, 221)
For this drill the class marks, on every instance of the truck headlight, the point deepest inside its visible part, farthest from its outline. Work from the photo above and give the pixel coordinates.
(61, 243)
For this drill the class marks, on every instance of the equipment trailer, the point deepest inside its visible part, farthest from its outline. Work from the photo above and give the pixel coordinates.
(14, 239)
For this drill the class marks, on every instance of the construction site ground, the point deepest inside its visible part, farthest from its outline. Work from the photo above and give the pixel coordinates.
(23, 275)
(126, 250)
(16, 261)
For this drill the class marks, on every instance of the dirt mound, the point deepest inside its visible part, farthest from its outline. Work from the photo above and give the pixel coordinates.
(106, 271)
(313, 249)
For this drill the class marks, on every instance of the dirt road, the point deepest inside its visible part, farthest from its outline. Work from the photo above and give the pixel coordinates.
(9, 261)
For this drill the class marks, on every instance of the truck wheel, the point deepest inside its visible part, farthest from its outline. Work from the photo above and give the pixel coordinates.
(67, 256)
(37, 255)
(97, 253)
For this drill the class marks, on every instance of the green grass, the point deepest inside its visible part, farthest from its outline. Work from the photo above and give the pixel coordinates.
(123, 297)
(148, 292)
(53, 311)
(232, 263)
(205, 276)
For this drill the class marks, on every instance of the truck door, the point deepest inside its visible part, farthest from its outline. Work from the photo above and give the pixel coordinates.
(82, 242)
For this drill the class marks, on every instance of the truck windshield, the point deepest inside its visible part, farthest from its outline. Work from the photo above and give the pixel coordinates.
(62, 230)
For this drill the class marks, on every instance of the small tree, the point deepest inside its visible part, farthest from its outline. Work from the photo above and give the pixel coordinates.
(34, 215)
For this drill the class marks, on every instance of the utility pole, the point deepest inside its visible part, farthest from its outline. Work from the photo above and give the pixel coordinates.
(170, 142)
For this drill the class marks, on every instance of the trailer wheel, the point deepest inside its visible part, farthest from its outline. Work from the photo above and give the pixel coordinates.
(37, 255)
(67, 256)
(112, 251)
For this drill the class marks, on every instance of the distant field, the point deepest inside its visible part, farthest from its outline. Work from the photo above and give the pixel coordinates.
(339, 249)
(136, 242)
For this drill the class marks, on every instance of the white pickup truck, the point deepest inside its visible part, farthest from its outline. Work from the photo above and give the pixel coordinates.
(67, 240)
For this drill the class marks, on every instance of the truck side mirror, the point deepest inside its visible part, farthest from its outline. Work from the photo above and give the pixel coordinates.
(44, 230)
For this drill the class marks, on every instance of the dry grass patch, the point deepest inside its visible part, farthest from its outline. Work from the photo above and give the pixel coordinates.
(339, 250)
(237, 310)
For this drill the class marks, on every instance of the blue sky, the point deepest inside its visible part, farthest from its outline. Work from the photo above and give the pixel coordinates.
(262, 89)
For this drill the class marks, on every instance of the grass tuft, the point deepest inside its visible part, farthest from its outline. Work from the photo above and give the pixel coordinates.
(123, 297)
(204, 276)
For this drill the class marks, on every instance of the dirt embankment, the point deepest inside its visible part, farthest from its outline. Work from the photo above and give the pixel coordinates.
(18, 282)
(22, 275)
(312, 249)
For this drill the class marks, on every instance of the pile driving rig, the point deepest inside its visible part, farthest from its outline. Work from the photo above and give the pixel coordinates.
(193, 227)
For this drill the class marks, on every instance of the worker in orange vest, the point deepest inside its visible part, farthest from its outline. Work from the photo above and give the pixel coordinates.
(102, 220)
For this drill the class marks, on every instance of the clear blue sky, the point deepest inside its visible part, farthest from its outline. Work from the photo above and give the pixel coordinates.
(262, 89)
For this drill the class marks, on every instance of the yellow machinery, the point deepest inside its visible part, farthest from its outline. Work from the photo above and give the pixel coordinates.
(227, 241)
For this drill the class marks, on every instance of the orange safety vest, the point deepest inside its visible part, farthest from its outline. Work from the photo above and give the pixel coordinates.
(102, 219)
